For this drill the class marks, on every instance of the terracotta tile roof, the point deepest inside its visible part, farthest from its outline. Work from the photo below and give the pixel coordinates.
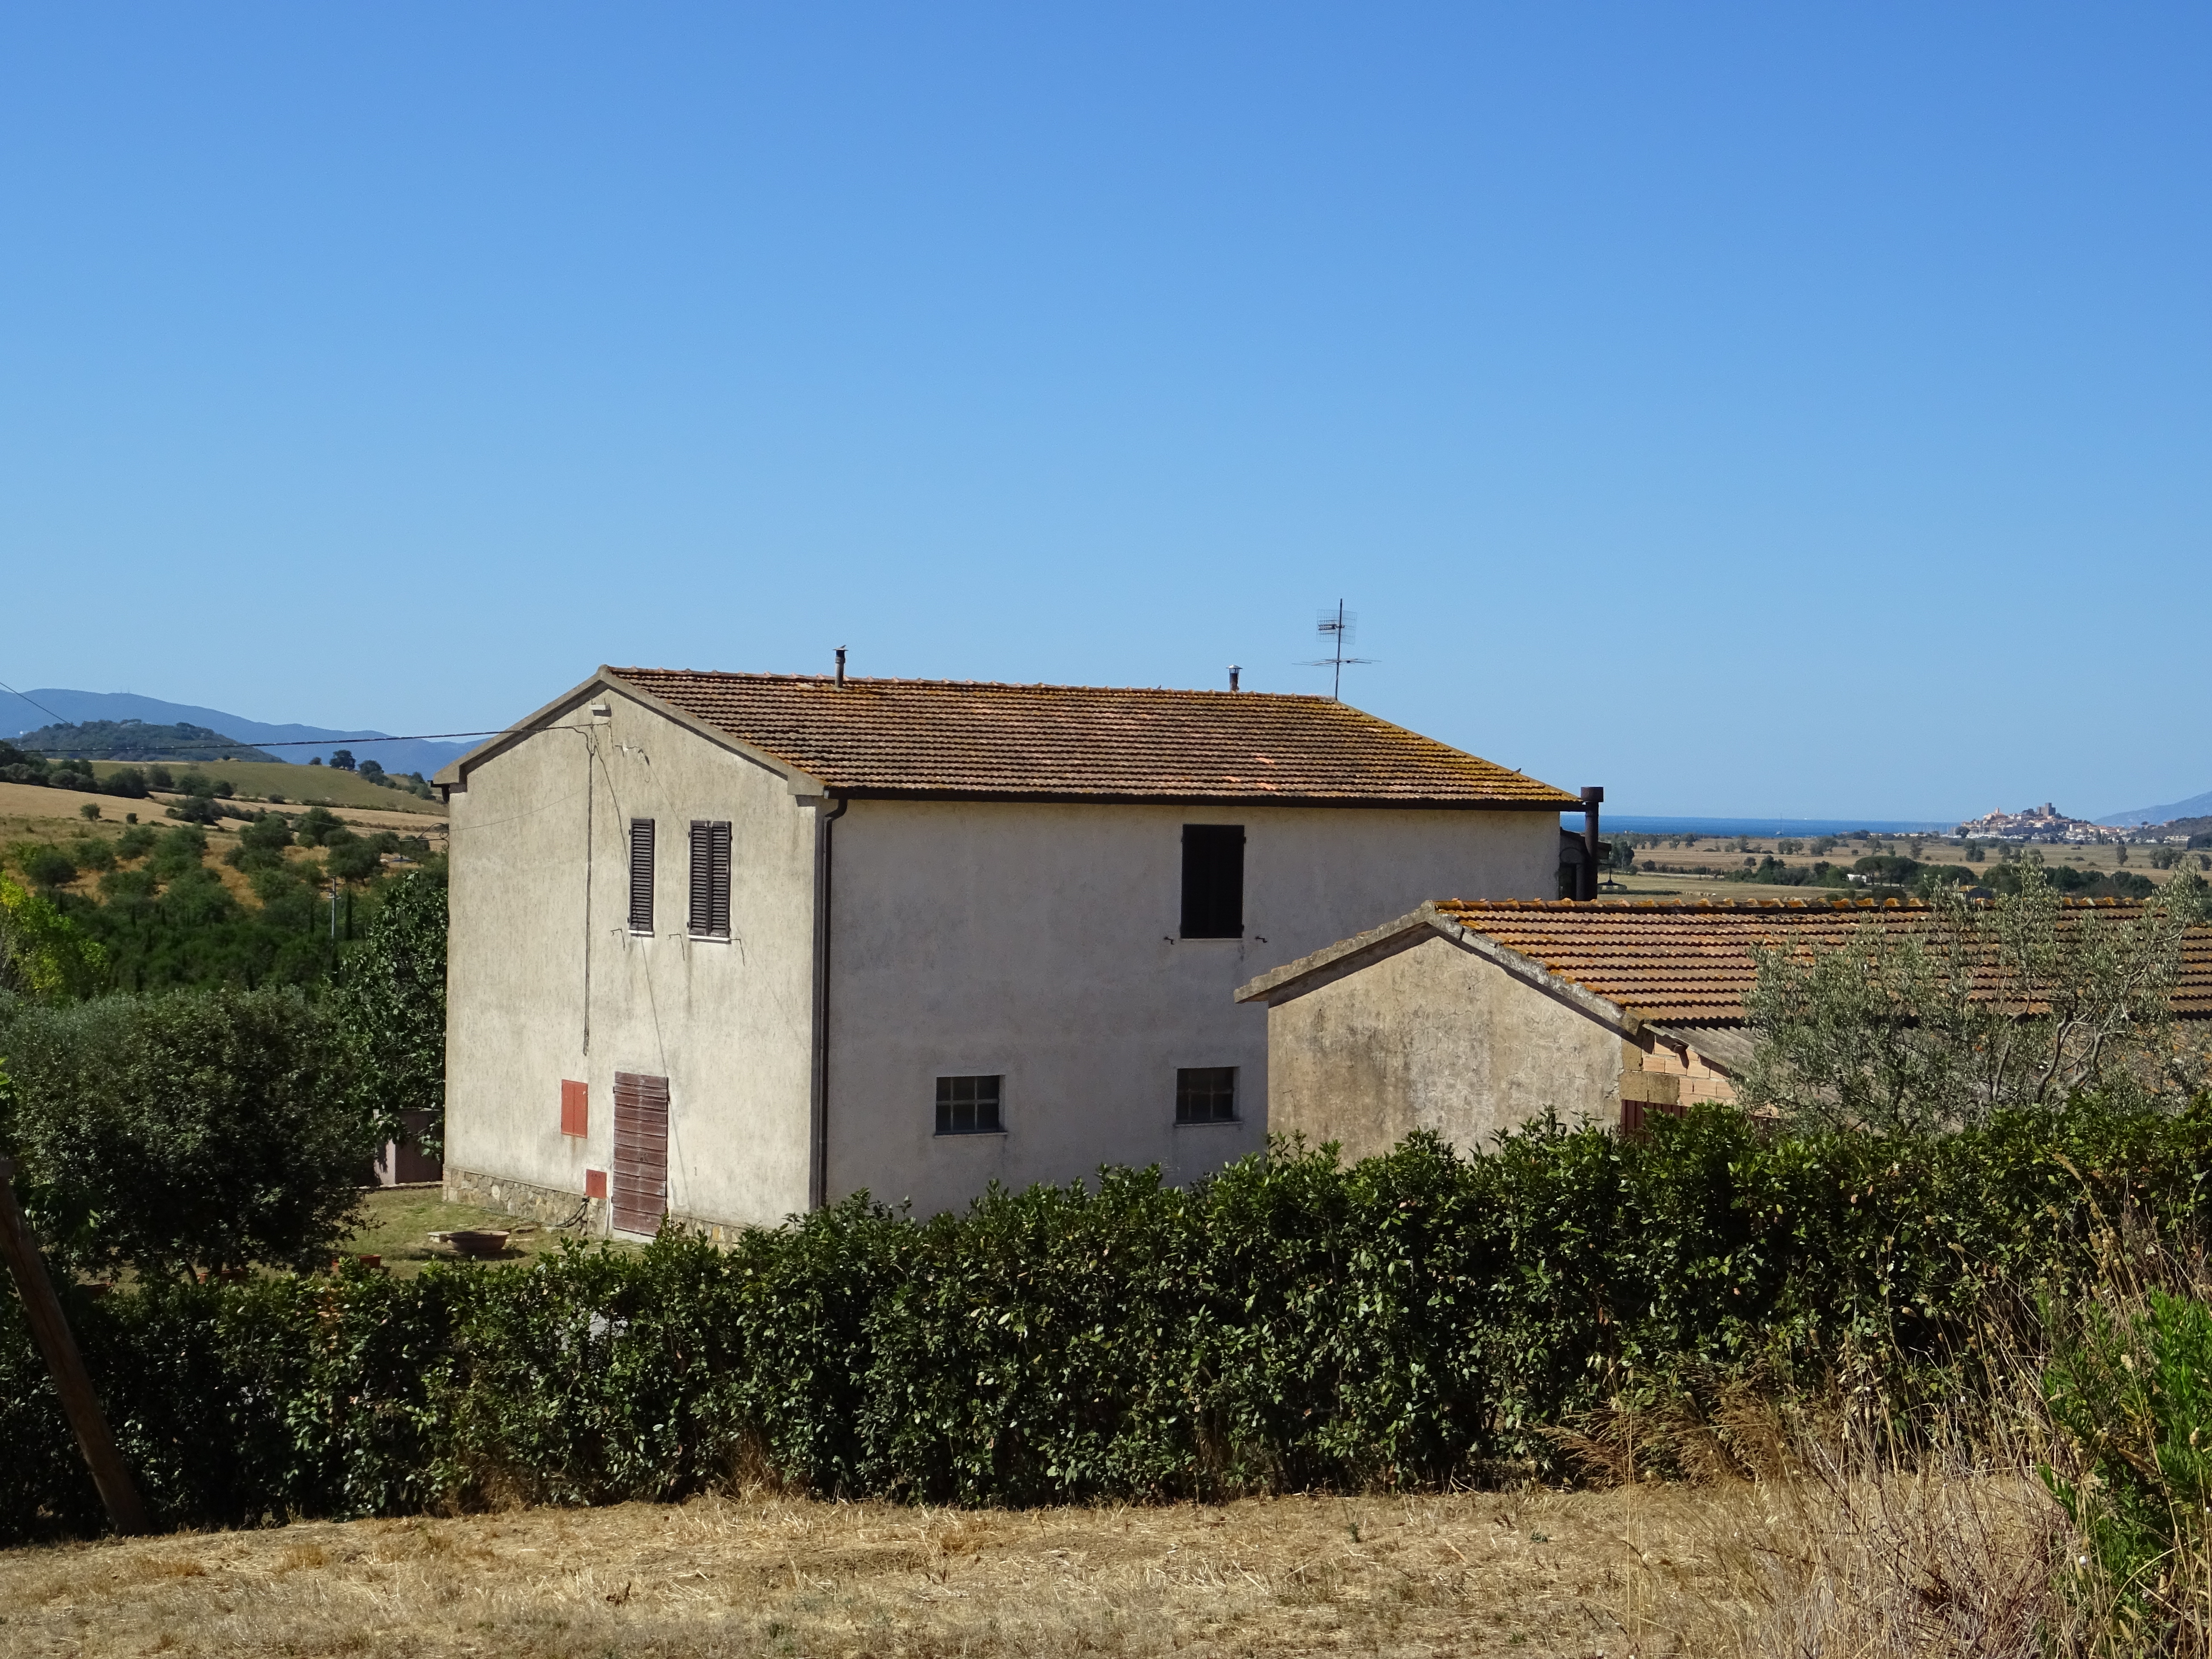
(1689, 964)
(955, 738)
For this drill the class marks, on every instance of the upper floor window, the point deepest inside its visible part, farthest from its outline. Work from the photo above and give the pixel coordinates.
(1214, 881)
(640, 875)
(968, 1105)
(1205, 1094)
(710, 879)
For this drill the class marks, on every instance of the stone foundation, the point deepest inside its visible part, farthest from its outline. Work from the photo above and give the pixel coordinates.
(548, 1207)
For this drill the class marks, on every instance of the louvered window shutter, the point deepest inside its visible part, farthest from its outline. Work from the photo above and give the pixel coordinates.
(719, 915)
(710, 879)
(640, 875)
(703, 877)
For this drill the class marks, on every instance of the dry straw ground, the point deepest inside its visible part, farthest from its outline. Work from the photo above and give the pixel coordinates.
(1800, 1567)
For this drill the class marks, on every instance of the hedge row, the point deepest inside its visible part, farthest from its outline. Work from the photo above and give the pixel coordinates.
(1416, 1318)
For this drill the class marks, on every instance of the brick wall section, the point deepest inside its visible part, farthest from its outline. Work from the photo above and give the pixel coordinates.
(1694, 1078)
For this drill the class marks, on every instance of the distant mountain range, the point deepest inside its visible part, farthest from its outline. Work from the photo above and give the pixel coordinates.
(43, 705)
(2196, 806)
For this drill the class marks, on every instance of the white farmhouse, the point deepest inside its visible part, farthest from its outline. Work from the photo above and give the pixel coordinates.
(730, 947)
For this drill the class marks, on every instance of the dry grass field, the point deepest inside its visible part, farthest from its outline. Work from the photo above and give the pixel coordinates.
(309, 786)
(1695, 872)
(33, 814)
(1742, 1569)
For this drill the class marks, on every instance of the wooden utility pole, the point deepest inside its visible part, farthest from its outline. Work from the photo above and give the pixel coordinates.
(17, 1242)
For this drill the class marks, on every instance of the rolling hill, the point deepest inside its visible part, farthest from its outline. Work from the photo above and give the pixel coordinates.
(44, 705)
(137, 740)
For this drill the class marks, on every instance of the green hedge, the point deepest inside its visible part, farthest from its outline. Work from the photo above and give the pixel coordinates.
(1416, 1318)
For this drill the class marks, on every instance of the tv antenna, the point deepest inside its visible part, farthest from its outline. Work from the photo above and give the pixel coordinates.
(1336, 628)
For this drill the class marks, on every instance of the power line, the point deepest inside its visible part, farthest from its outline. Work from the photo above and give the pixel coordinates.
(285, 743)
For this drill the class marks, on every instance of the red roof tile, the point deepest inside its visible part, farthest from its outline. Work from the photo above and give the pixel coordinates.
(964, 738)
(1690, 962)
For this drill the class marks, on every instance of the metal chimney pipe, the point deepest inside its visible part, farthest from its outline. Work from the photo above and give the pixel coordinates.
(1592, 794)
(1234, 669)
(840, 664)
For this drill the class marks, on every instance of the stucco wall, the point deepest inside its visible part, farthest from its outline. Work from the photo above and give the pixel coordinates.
(1434, 1037)
(727, 1023)
(1040, 943)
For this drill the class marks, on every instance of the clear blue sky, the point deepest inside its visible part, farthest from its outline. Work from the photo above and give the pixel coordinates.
(1756, 410)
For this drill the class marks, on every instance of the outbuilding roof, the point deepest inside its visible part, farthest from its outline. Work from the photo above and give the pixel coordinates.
(960, 738)
(1679, 963)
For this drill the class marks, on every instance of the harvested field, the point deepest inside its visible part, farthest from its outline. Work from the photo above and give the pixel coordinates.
(1723, 1570)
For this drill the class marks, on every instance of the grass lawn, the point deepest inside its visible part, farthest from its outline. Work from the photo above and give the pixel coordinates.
(402, 1218)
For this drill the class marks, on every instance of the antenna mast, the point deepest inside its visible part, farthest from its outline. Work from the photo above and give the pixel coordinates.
(1337, 628)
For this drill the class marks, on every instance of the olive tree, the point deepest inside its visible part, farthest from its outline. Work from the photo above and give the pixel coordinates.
(1970, 1007)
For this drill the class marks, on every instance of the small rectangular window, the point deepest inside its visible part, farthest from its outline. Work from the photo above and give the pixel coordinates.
(640, 875)
(575, 1109)
(710, 879)
(1214, 881)
(968, 1105)
(1205, 1094)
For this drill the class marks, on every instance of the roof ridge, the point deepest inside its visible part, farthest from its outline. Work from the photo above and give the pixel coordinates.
(763, 676)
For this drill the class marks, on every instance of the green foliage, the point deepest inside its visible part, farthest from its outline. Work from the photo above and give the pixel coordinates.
(2134, 1394)
(388, 1010)
(317, 825)
(2018, 1003)
(195, 1128)
(42, 955)
(1414, 1320)
(138, 740)
(196, 809)
(47, 865)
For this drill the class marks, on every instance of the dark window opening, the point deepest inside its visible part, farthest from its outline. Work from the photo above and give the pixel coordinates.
(640, 875)
(710, 879)
(968, 1105)
(1214, 881)
(1205, 1094)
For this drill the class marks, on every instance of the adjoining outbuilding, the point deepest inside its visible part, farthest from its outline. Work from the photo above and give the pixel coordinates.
(729, 946)
(1470, 1018)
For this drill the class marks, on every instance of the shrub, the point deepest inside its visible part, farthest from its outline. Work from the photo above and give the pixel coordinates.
(1416, 1319)
(2133, 1392)
(176, 851)
(193, 1129)
(42, 954)
(49, 866)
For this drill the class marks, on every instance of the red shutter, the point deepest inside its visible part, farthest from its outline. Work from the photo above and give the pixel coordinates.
(575, 1109)
(640, 1171)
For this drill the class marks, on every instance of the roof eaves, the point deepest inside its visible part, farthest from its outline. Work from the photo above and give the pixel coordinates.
(454, 774)
(1346, 956)
(1189, 798)
(1604, 1010)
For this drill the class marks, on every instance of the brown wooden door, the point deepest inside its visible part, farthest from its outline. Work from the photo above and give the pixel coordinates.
(640, 1171)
